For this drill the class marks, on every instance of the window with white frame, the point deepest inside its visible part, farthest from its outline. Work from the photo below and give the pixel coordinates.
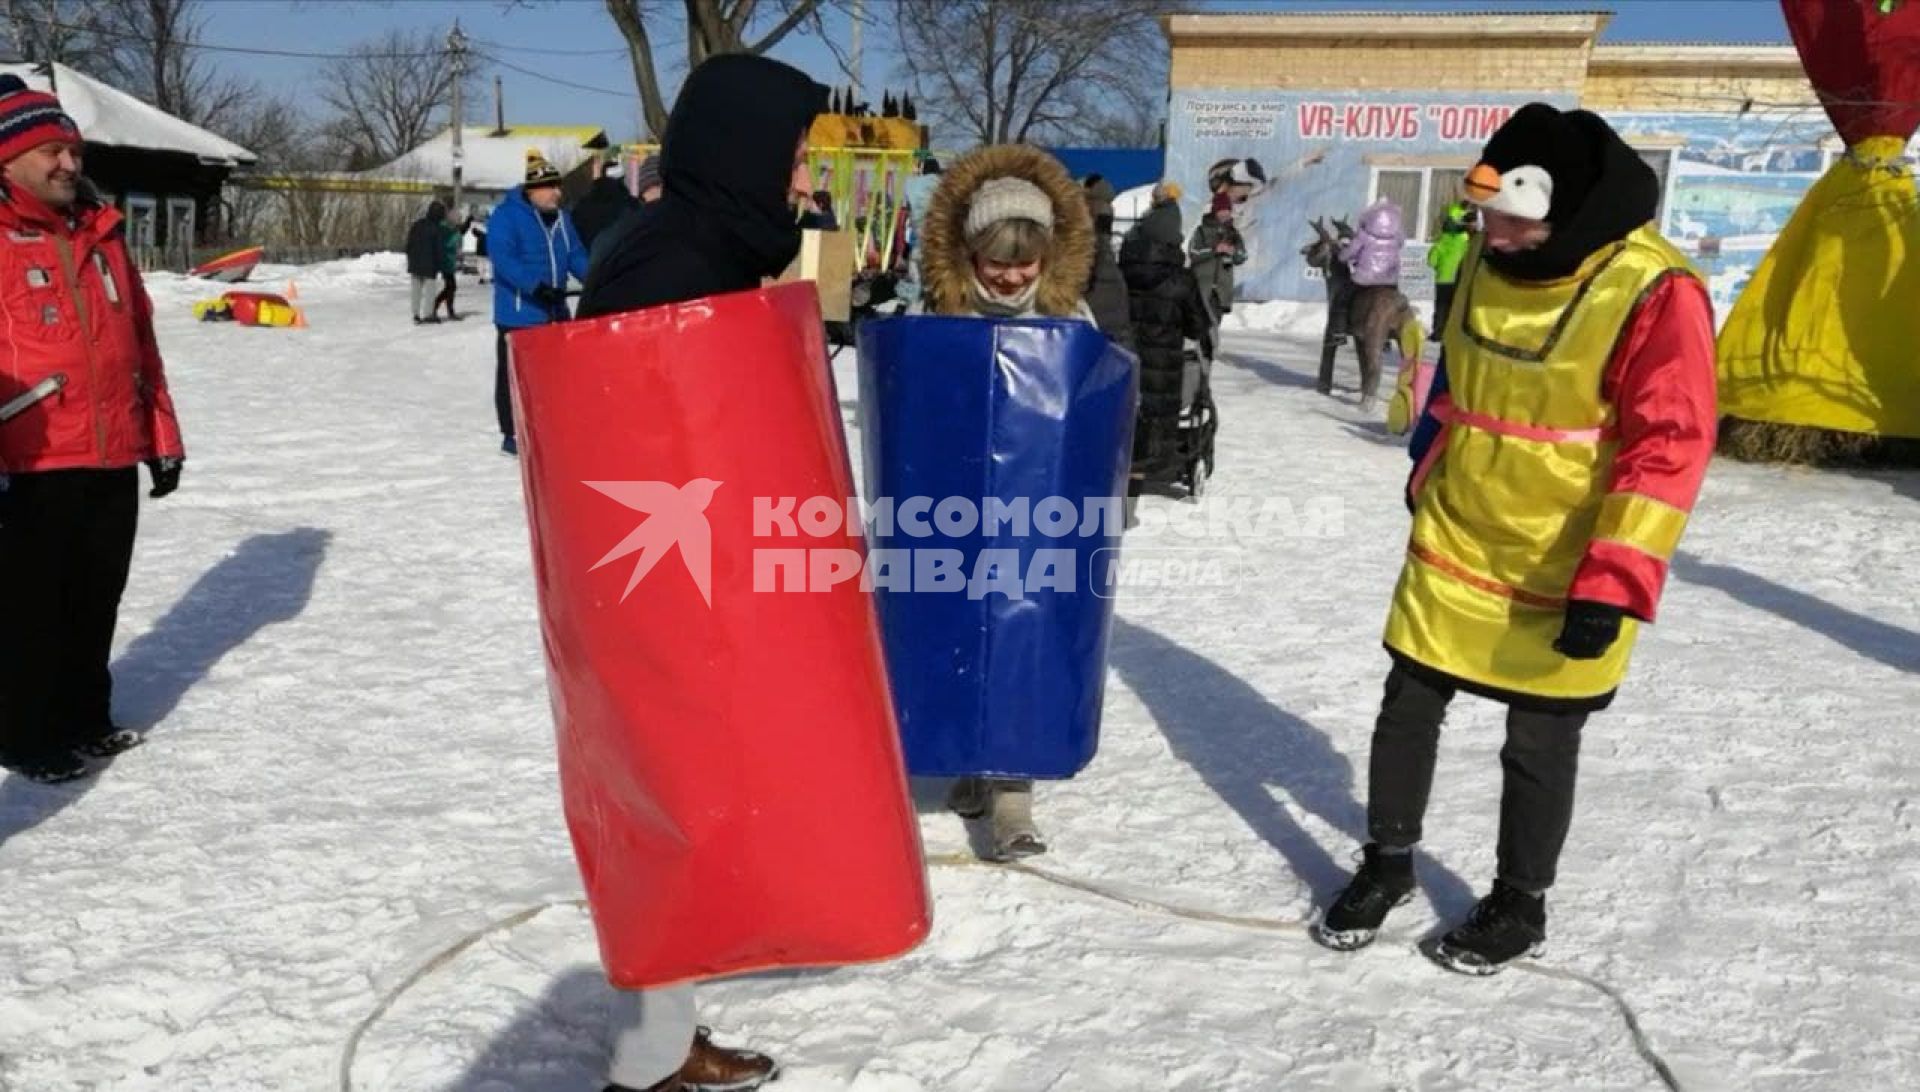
(1423, 192)
(1661, 160)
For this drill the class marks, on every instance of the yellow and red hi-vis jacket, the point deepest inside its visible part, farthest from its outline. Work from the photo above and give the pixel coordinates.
(1576, 422)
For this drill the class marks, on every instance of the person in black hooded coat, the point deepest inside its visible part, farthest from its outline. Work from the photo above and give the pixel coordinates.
(604, 203)
(1167, 311)
(733, 163)
(426, 244)
(726, 220)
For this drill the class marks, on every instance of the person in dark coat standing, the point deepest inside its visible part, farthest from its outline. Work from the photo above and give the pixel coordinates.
(451, 234)
(80, 336)
(604, 203)
(1107, 290)
(1216, 249)
(426, 252)
(1167, 310)
(734, 170)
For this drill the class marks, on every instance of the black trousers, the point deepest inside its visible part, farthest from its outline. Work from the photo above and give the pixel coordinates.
(447, 288)
(1540, 763)
(1442, 307)
(502, 391)
(66, 543)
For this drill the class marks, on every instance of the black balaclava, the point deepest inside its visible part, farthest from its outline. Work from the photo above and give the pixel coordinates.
(1602, 189)
(728, 151)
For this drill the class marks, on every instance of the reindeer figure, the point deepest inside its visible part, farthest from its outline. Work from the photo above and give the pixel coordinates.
(1370, 315)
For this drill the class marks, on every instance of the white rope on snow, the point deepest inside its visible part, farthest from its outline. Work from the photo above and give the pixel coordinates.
(1641, 1044)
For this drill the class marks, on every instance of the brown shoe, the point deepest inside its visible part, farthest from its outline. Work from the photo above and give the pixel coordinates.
(713, 1068)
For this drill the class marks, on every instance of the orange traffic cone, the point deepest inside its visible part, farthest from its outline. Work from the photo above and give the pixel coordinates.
(299, 317)
(293, 291)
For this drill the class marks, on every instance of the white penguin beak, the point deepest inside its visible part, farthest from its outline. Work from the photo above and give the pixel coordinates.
(1526, 192)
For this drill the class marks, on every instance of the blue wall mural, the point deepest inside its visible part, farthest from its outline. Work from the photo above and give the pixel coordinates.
(1319, 149)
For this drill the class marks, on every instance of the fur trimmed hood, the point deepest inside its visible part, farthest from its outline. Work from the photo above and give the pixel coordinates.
(944, 263)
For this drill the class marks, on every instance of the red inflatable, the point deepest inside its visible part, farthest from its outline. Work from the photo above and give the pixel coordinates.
(729, 757)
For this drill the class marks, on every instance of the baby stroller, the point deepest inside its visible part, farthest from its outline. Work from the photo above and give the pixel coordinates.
(1177, 453)
(875, 295)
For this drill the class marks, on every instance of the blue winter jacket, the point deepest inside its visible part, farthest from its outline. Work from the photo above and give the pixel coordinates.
(1427, 431)
(526, 253)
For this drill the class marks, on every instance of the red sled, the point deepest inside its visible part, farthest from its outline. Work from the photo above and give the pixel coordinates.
(729, 758)
(230, 268)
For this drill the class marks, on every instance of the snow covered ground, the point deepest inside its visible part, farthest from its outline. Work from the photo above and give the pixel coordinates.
(331, 628)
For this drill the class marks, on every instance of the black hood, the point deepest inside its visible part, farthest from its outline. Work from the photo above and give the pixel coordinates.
(1621, 194)
(728, 151)
(1162, 224)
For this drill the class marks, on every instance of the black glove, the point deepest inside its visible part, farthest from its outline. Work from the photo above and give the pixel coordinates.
(549, 297)
(1590, 629)
(166, 475)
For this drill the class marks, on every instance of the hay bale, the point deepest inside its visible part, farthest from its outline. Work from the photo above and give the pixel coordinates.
(1823, 448)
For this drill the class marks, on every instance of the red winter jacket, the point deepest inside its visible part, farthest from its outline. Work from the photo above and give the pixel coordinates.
(71, 302)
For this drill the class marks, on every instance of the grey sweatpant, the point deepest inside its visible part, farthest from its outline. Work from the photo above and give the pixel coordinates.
(652, 1032)
(424, 289)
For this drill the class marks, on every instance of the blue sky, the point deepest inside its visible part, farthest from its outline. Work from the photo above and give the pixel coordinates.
(589, 52)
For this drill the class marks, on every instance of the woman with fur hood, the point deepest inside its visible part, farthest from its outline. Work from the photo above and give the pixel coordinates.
(1007, 235)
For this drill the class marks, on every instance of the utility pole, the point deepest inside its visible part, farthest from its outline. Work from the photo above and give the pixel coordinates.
(859, 21)
(457, 54)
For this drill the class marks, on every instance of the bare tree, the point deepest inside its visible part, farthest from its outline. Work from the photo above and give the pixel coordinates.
(274, 129)
(711, 27)
(67, 31)
(1000, 71)
(151, 48)
(385, 96)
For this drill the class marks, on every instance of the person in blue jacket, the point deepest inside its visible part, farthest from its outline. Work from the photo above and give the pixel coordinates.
(534, 249)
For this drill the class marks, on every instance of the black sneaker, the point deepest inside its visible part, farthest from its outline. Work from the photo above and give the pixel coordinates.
(1503, 927)
(56, 768)
(114, 741)
(1383, 881)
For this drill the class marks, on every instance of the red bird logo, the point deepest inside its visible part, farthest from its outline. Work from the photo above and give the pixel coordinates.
(676, 516)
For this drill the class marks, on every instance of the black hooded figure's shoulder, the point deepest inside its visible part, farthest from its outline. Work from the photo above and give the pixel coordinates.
(724, 223)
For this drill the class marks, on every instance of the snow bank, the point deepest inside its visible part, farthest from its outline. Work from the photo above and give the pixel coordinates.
(1295, 318)
(387, 270)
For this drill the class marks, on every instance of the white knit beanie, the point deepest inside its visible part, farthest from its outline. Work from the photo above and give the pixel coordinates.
(1000, 199)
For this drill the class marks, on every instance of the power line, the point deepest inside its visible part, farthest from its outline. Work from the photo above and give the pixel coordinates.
(510, 66)
(485, 44)
(125, 36)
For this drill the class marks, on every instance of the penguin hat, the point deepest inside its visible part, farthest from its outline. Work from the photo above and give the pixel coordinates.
(1540, 165)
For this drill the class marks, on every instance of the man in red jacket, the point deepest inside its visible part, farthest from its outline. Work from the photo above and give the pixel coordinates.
(72, 311)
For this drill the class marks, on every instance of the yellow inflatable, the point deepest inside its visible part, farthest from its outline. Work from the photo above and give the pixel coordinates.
(1827, 334)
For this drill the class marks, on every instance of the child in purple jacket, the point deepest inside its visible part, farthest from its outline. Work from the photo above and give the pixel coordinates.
(1374, 252)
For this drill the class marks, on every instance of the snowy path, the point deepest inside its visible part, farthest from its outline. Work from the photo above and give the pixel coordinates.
(332, 626)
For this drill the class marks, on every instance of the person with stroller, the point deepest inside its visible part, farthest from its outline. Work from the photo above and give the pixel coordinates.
(1168, 311)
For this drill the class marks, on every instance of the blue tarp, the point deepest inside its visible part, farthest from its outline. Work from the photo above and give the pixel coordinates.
(1003, 674)
(1126, 168)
